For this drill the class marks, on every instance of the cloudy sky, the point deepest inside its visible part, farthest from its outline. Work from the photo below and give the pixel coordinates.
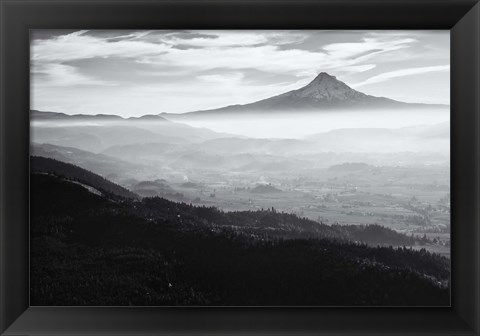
(132, 73)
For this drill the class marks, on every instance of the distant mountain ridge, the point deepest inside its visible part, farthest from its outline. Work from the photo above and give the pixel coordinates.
(36, 115)
(324, 92)
(96, 133)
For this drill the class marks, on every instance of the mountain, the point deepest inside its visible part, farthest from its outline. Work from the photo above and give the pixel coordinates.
(379, 146)
(36, 115)
(325, 92)
(158, 188)
(95, 133)
(110, 167)
(148, 118)
(86, 178)
(96, 138)
(427, 138)
(265, 189)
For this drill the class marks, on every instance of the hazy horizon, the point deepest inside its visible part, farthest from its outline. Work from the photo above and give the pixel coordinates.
(302, 125)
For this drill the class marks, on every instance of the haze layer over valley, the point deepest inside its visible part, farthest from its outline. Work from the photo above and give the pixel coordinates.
(342, 158)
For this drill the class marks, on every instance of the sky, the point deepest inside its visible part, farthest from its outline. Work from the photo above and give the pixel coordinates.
(133, 73)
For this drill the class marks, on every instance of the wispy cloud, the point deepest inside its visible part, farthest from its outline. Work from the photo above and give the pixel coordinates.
(256, 54)
(228, 78)
(368, 47)
(403, 72)
(220, 49)
(357, 68)
(61, 75)
(222, 67)
(76, 46)
(222, 39)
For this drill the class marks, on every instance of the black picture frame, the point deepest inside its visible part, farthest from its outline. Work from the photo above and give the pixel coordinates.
(462, 17)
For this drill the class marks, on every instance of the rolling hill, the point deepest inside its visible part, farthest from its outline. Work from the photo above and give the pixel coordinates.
(96, 133)
(73, 173)
(112, 168)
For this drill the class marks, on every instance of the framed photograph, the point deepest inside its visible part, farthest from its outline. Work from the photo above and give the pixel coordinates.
(228, 167)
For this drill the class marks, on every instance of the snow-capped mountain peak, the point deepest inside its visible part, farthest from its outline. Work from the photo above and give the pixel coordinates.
(327, 87)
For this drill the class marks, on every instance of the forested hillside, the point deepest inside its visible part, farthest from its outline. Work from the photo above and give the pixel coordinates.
(89, 249)
(46, 165)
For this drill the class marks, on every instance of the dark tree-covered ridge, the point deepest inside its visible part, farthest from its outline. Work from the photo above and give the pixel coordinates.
(90, 249)
(46, 165)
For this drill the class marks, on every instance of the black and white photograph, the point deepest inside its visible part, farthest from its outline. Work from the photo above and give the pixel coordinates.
(240, 168)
